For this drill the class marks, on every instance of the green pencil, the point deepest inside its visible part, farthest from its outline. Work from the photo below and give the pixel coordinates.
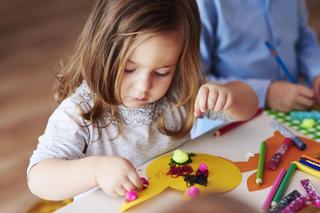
(284, 184)
(262, 156)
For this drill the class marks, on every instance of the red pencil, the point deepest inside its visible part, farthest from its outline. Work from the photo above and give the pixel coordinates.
(231, 126)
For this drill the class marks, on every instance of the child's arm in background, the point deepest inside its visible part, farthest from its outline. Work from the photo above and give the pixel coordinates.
(235, 98)
(58, 179)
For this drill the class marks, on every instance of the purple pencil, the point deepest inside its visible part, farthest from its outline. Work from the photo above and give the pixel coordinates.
(273, 189)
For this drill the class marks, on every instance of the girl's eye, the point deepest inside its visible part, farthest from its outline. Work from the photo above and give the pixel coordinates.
(162, 74)
(129, 71)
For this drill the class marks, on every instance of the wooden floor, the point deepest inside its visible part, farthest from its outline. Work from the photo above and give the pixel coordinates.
(34, 35)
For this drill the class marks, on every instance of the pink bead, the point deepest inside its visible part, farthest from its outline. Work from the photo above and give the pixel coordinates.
(193, 192)
(131, 195)
(203, 167)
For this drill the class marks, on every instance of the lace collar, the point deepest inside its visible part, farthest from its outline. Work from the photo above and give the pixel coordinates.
(145, 115)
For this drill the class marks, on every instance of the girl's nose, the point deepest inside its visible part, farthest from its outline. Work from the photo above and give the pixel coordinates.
(144, 83)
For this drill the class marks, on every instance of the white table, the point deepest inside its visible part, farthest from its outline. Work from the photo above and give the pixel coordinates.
(234, 146)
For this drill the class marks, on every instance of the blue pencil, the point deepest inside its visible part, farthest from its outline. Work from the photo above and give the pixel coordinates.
(280, 63)
(309, 164)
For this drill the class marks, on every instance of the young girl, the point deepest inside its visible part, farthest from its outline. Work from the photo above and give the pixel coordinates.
(130, 92)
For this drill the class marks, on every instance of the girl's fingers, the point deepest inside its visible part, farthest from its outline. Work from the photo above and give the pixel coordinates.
(128, 185)
(135, 180)
(221, 101)
(202, 98)
(229, 102)
(112, 193)
(120, 191)
(212, 99)
(197, 111)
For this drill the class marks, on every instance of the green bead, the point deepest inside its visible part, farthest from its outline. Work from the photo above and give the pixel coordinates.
(180, 156)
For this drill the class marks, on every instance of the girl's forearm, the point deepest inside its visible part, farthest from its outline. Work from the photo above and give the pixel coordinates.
(58, 179)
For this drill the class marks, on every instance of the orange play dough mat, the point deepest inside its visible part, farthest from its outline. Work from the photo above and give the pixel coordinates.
(273, 144)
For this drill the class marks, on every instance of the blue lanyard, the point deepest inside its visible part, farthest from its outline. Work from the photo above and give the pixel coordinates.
(267, 19)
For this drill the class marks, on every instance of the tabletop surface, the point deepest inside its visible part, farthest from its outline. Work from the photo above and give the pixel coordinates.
(234, 146)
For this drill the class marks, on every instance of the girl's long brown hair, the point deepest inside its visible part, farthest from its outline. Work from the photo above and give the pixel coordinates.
(113, 29)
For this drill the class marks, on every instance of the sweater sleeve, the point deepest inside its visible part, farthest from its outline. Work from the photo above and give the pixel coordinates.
(65, 136)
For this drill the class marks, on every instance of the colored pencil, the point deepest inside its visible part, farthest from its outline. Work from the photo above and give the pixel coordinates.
(306, 163)
(284, 184)
(227, 128)
(262, 154)
(276, 183)
(280, 63)
(307, 170)
(234, 125)
(311, 158)
(311, 162)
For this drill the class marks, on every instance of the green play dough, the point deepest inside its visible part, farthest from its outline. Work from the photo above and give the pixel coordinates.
(180, 156)
(308, 123)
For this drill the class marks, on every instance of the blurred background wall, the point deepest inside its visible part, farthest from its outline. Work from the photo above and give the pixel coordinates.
(34, 35)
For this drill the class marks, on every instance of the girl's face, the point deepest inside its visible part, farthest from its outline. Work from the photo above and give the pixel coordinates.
(150, 70)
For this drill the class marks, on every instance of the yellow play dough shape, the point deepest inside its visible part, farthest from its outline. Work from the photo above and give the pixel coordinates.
(224, 176)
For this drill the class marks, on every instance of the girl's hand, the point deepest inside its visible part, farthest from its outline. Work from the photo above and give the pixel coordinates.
(213, 97)
(116, 176)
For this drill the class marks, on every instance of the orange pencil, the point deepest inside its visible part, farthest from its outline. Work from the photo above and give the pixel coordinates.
(311, 158)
